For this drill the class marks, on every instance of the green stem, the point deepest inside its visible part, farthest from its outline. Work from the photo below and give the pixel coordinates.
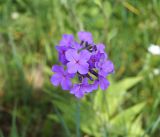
(78, 133)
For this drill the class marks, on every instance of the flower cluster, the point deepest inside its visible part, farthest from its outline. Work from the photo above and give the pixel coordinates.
(84, 65)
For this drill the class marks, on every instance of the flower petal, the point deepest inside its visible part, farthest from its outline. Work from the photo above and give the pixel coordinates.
(75, 89)
(108, 66)
(79, 94)
(85, 55)
(103, 73)
(83, 67)
(66, 84)
(104, 83)
(61, 54)
(71, 67)
(55, 79)
(85, 36)
(76, 45)
(87, 88)
(94, 86)
(67, 40)
(57, 68)
(71, 55)
(101, 48)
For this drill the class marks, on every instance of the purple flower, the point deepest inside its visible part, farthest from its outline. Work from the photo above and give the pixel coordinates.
(102, 82)
(61, 77)
(61, 54)
(93, 59)
(77, 62)
(67, 40)
(100, 48)
(76, 46)
(104, 66)
(85, 36)
(80, 89)
(86, 65)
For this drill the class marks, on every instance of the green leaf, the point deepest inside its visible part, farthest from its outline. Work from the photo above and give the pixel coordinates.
(14, 132)
(111, 99)
(116, 93)
(107, 8)
(98, 2)
(124, 84)
(135, 128)
(126, 116)
(112, 34)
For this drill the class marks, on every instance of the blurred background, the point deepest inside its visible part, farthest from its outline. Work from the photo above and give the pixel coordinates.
(30, 106)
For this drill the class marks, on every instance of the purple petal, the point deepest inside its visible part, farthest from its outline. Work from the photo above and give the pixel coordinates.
(85, 36)
(67, 40)
(85, 87)
(76, 45)
(61, 49)
(79, 94)
(102, 56)
(95, 85)
(94, 60)
(55, 79)
(72, 67)
(57, 68)
(101, 48)
(108, 66)
(77, 91)
(85, 81)
(66, 84)
(69, 75)
(85, 55)
(83, 67)
(104, 83)
(61, 54)
(71, 55)
(103, 73)
(88, 88)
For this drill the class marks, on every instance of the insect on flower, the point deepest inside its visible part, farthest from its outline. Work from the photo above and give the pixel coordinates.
(82, 60)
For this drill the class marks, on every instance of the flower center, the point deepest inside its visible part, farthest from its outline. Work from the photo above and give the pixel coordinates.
(77, 61)
(63, 52)
(93, 60)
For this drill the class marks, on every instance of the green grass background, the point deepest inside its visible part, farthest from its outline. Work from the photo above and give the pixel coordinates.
(31, 107)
